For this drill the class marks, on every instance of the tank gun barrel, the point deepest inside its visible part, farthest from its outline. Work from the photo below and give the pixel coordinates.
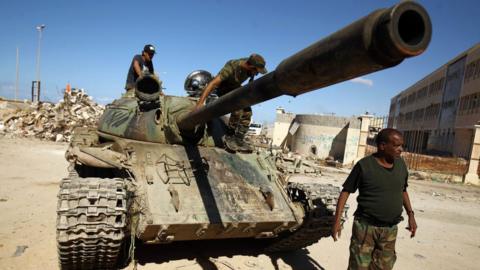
(382, 39)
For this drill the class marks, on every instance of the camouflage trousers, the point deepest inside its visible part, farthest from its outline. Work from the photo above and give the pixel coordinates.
(372, 247)
(240, 121)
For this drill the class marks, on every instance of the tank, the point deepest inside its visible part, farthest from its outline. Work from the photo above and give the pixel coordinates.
(155, 168)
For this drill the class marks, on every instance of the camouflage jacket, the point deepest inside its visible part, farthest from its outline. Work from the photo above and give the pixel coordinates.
(232, 76)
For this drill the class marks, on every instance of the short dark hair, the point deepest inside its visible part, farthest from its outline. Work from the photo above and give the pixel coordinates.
(384, 135)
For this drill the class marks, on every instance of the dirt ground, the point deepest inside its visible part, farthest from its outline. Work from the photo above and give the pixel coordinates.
(448, 216)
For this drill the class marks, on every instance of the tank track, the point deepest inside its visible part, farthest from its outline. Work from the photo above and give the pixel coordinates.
(319, 202)
(91, 222)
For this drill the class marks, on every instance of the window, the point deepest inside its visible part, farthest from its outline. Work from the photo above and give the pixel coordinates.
(436, 87)
(472, 70)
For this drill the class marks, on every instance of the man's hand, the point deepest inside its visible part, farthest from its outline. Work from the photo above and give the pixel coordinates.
(336, 230)
(206, 91)
(412, 224)
(337, 226)
(198, 105)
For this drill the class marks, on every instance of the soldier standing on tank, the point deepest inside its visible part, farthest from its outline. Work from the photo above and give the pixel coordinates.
(141, 64)
(381, 180)
(230, 77)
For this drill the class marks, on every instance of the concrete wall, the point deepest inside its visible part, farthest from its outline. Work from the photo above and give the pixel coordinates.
(319, 135)
(282, 124)
(351, 146)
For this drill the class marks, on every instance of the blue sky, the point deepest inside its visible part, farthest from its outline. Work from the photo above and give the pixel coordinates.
(90, 44)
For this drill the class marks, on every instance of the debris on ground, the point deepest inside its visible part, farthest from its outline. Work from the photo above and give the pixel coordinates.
(291, 163)
(53, 122)
(331, 162)
(20, 250)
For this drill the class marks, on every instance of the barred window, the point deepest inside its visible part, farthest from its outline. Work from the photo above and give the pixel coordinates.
(408, 116)
(435, 87)
(470, 71)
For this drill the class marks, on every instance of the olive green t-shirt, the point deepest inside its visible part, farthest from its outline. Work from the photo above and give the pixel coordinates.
(232, 76)
(380, 189)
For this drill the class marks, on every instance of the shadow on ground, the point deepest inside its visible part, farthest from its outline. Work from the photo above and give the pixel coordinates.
(206, 254)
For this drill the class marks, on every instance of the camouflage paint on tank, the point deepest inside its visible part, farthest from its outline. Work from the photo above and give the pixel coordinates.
(123, 118)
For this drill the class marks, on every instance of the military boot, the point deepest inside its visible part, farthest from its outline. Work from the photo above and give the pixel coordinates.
(231, 144)
(229, 140)
(243, 146)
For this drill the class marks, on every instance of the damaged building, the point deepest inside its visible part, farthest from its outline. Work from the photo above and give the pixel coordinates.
(322, 136)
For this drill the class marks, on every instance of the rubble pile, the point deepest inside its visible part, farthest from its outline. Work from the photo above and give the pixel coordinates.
(53, 122)
(294, 164)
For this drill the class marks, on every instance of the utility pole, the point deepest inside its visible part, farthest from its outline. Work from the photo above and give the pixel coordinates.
(36, 84)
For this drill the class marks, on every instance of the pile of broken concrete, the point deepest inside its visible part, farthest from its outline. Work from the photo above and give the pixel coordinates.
(291, 163)
(48, 121)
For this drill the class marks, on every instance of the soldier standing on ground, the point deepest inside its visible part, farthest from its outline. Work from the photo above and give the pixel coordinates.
(140, 65)
(230, 77)
(381, 180)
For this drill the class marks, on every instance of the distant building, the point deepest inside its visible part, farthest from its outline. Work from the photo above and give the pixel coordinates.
(343, 138)
(437, 114)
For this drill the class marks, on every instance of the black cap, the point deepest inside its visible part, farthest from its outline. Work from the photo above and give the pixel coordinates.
(149, 48)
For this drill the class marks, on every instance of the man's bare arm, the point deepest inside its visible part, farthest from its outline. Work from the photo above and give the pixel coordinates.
(337, 227)
(211, 85)
(137, 68)
(412, 224)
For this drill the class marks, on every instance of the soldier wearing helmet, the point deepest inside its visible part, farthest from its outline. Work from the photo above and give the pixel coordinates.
(230, 77)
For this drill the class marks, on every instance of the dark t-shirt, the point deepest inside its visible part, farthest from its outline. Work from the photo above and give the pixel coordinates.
(232, 76)
(380, 198)
(132, 75)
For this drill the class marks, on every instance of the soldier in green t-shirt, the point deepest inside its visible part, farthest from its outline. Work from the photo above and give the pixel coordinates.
(231, 77)
(381, 180)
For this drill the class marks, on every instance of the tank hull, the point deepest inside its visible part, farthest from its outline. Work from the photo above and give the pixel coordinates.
(196, 192)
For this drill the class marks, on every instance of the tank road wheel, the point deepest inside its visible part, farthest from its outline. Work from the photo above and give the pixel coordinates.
(91, 222)
(319, 202)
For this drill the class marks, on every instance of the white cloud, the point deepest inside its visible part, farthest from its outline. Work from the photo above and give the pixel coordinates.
(364, 81)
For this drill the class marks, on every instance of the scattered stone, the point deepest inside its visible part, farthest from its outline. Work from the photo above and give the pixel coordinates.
(419, 256)
(291, 163)
(3, 200)
(59, 138)
(20, 250)
(419, 175)
(251, 264)
(53, 122)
